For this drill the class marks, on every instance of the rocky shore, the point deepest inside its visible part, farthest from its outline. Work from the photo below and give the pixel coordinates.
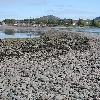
(57, 66)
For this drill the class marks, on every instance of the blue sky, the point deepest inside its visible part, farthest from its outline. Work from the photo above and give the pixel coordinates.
(75, 9)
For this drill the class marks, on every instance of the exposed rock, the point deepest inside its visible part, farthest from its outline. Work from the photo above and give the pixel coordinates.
(57, 66)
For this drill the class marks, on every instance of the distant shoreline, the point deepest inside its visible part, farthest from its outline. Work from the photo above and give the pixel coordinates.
(3, 27)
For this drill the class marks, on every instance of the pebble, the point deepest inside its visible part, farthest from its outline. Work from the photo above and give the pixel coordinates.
(50, 68)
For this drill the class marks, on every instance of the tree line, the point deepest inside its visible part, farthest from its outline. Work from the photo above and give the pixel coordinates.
(55, 22)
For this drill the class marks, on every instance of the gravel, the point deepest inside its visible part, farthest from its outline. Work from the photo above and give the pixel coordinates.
(59, 65)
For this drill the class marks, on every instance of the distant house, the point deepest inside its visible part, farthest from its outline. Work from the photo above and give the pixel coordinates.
(75, 22)
(89, 23)
(15, 24)
(66, 23)
(23, 24)
(2, 23)
(34, 25)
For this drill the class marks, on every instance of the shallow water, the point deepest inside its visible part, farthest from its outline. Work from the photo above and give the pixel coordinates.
(84, 30)
(89, 30)
(18, 34)
(37, 33)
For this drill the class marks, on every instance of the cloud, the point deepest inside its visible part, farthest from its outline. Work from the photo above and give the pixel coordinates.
(37, 3)
(69, 11)
(50, 10)
(63, 6)
(25, 2)
(70, 6)
(59, 5)
(72, 11)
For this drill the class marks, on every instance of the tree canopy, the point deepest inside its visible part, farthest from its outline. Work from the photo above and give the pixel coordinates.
(95, 23)
(55, 21)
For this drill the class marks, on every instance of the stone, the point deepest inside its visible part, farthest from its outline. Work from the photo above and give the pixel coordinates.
(59, 97)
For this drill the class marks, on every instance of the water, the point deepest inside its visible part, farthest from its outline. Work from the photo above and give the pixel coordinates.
(37, 33)
(84, 30)
(89, 30)
(18, 34)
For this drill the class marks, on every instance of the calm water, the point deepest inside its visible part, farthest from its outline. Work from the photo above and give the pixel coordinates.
(18, 34)
(35, 34)
(89, 30)
(84, 30)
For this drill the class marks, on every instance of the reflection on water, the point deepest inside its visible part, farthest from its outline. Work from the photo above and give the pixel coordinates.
(38, 33)
(19, 34)
(9, 32)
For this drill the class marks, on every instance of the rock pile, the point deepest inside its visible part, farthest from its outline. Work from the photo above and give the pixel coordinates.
(56, 66)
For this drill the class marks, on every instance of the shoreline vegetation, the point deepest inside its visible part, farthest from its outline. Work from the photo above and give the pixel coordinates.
(60, 65)
(52, 21)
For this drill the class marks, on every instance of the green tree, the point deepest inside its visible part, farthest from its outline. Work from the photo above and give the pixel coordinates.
(95, 23)
(9, 21)
(81, 22)
(12, 21)
(61, 22)
(45, 20)
(87, 22)
(69, 22)
(54, 21)
(31, 21)
(37, 20)
(25, 21)
(99, 24)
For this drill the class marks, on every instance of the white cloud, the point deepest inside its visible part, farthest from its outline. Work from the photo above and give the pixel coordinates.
(72, 11)
(59, 5)
(37, 3)
(69, 11)
(25, 2)
(63, 6)
(70, 6)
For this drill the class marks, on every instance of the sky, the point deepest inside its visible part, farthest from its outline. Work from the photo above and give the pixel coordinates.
(74, 9)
